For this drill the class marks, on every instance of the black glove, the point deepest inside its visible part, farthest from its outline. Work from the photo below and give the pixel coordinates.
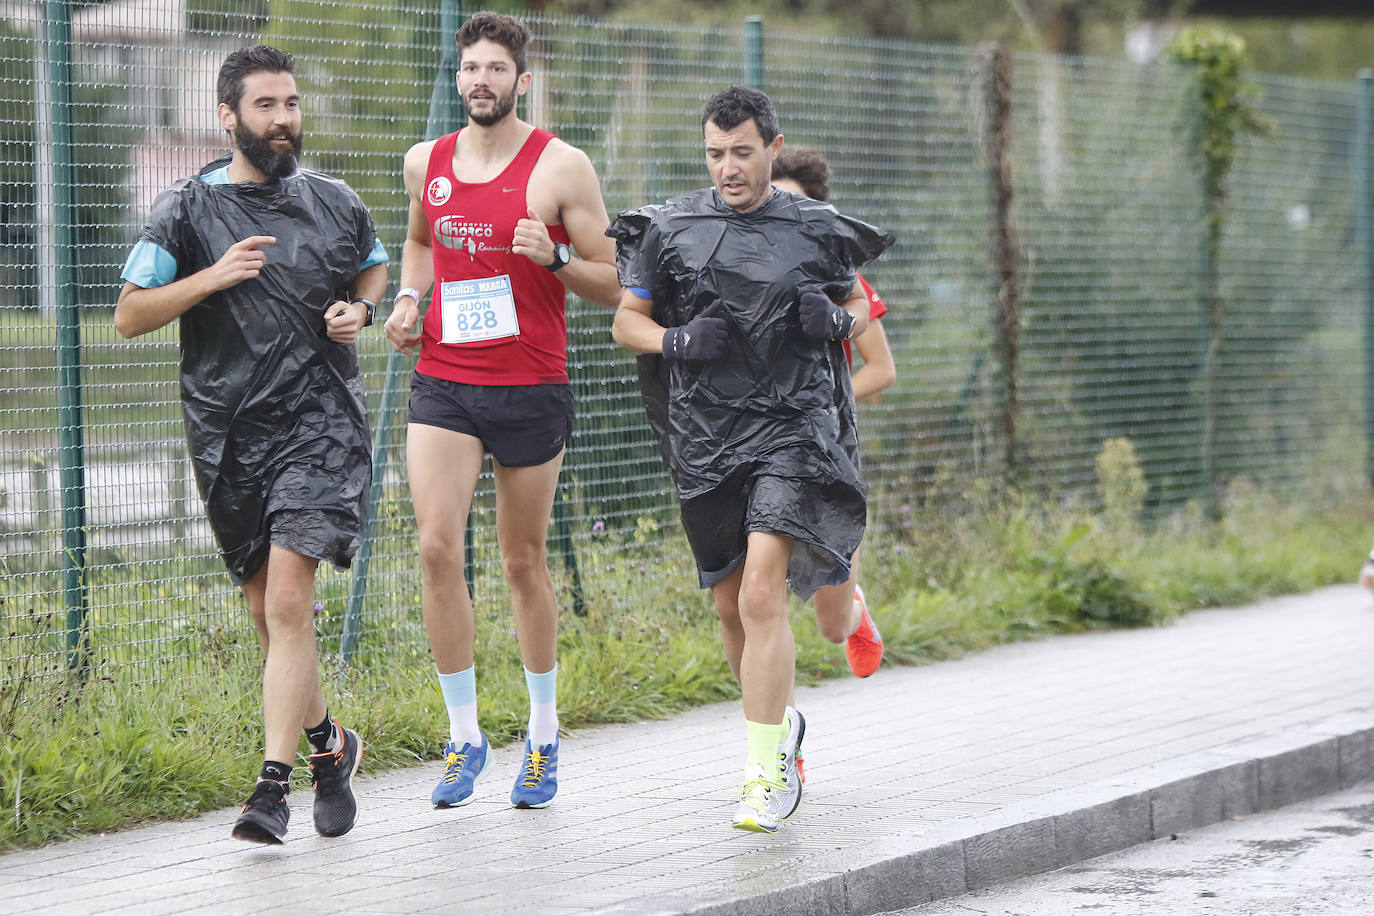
(821, 318)
(703, 337)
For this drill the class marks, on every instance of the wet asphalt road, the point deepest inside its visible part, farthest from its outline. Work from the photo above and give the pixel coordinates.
(1312, 857)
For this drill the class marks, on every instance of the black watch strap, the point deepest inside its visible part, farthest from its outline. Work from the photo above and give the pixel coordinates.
(371, 310)
(562, 256)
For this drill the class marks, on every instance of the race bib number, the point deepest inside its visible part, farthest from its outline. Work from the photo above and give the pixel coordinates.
(477, 310)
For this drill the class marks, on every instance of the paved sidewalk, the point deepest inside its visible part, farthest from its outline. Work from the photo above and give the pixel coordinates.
(921, 783)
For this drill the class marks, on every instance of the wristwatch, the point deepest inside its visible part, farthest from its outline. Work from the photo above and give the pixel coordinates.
(410, 291)
(562, 255)
(371, 310)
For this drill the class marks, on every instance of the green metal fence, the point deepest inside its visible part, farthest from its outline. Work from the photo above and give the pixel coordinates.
(1045, 290)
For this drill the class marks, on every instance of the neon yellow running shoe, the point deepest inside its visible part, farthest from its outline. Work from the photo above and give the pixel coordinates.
(790, 772)
(763, 803)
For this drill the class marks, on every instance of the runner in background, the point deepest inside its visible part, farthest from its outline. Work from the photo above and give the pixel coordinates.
(841, 610)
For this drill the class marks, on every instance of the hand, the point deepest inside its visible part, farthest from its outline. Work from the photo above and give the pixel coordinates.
(532, 239)
(243, 261)
(704, 337)
(343, 320)
(822, 319)
(404, 315)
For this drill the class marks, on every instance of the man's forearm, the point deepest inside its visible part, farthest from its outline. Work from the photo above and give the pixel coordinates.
(636, 331)
(371, 283)
(417, 266)
(595, 281)
(141, 310)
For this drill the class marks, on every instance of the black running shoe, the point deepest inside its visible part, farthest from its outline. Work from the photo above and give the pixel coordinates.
(335, 807)
(265, 814)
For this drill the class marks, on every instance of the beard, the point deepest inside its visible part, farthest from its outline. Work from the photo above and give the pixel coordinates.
(257, 149)
(502, 106)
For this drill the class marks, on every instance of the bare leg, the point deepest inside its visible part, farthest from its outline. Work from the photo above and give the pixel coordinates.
(255, 592)
(443, 467)
(837, 616)
(768, 662)
(291, 695)
(524, 504)
(725, 593)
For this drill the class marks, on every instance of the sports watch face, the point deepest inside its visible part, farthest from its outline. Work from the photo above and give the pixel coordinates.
(561, 255)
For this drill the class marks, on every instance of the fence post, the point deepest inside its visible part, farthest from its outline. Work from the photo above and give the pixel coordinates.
(1209, 340)
(57, 80)
(563, 538)
(1364, 232)
(753, 52)
(444, 109)
(1003, 251)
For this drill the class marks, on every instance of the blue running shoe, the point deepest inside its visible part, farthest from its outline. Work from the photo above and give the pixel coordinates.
(462, 769)
(537, 783)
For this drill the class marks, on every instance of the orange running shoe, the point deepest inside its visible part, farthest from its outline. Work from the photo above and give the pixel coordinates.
(864, 648)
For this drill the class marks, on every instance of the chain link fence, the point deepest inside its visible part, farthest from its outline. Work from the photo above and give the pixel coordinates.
(1045, 290)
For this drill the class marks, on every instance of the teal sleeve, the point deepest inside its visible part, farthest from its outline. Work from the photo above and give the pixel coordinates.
(378, 256)
(149, 265)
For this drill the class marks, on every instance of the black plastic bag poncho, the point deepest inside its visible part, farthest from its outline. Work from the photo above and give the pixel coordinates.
(778, 405)
(274, 410)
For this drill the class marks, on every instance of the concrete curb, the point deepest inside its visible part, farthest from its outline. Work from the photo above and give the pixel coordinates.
(1052, 831)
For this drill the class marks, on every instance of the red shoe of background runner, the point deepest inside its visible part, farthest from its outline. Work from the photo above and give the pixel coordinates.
(864, 648)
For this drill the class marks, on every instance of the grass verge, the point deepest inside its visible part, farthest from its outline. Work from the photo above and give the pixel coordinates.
(110, 754)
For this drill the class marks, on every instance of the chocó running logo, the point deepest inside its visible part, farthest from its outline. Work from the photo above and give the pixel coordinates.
(453, 232)
(439, 191)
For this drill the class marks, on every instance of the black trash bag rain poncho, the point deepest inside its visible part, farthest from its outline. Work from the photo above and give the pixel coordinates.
(274, 409)
(778, 405)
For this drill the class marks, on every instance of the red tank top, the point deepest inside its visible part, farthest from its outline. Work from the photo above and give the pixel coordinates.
(478, 281)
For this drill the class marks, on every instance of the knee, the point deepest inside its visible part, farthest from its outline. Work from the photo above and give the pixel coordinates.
(833, 613)
(728, 612)
(524, 563)
(761, 600)
(832, 630)
(259, 612)
(440, 548)
(289, 617)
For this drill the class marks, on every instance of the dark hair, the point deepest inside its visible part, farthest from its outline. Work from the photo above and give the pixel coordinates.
(507, 31)
(807, 167)
(246, 61)
(731, 107)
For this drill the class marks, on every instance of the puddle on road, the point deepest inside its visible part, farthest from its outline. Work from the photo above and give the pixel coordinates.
(1340, 830)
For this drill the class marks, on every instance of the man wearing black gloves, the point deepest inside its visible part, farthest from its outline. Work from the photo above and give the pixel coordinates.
(271, 270)
(746, 292)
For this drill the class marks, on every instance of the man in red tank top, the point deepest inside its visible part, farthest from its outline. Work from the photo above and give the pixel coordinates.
(494, 209)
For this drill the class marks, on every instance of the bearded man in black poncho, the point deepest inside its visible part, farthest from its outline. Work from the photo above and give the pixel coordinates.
(270, 271)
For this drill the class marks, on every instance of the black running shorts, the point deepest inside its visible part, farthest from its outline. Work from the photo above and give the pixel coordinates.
(718, 523)
(520, 425)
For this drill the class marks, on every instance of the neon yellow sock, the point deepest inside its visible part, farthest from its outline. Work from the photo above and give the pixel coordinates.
(763, 747)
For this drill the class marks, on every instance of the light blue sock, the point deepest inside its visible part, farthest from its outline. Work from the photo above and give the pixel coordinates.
(543, 690)
(460, 696)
